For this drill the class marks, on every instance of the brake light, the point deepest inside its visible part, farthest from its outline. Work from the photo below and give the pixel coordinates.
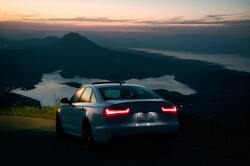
(108, 112)
(169, 109)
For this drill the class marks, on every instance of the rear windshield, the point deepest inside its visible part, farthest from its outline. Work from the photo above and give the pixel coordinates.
(126, 92)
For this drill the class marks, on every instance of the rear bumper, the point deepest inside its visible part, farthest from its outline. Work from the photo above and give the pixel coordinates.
(106, 133)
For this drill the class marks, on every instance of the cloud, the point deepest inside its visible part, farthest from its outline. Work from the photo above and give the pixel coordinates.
(216, 19)
(82, 19)
(227, 16)
(219, 16)
(22, 25)
(195, 22)
(11, 28)
(237, 22)
(212, 20)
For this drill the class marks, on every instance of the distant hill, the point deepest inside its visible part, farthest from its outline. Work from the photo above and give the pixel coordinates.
(199, 43)
(76, 41)
(28, 43)
(23, 65)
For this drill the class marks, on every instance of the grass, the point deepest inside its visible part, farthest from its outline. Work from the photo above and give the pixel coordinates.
(31, 111)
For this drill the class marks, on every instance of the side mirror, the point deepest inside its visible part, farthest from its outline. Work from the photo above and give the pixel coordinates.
(65, 100)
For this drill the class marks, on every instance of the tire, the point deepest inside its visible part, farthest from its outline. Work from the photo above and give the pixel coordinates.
(87, 137)
(59, 128)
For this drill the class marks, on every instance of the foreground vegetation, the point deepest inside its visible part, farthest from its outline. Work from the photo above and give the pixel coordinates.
(31, 111)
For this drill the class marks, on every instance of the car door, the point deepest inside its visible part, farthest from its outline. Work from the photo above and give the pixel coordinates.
(80, 108)
(68, 111)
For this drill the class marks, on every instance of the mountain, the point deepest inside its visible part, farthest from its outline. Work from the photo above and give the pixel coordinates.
(191, 42)
(76, 55)
(28, 43)
(76, 41)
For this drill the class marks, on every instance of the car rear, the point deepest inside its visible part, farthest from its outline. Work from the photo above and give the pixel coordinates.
(140, 114)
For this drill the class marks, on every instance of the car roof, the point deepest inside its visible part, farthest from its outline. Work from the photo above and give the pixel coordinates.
(100, 85)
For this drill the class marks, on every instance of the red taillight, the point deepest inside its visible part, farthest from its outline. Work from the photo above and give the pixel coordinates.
(169, 109)
(108, 112)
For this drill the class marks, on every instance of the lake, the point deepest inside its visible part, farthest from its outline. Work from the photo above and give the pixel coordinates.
(53, 86)
(232, 62)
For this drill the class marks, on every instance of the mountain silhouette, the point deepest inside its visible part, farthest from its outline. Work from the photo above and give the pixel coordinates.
(28, 43)
(74, 55)
(75, 41)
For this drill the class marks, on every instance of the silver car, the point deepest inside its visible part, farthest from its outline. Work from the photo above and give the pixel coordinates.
(104, 111)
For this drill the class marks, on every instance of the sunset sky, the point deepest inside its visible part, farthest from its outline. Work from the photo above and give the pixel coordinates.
(159, 13)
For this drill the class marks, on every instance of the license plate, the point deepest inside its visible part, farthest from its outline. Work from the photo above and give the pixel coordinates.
(145, 117)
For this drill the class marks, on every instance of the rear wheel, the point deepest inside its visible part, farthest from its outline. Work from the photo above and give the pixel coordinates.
(87, 136)
(59, 129)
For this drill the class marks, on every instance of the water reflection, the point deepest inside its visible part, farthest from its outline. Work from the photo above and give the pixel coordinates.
(52, 86)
